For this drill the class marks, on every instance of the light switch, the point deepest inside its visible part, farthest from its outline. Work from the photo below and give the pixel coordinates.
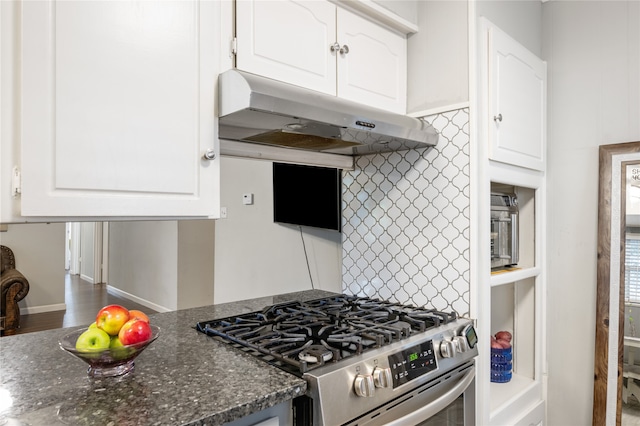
(247, 199)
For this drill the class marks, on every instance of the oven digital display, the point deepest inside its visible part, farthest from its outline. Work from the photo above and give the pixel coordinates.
(470, 333)
(412, 363)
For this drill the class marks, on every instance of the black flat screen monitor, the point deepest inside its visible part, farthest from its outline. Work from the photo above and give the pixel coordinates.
(307, 196)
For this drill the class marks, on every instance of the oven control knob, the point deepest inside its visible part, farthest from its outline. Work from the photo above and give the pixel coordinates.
(462, 344)
(382, 377)
(447, 348)
(364, 385)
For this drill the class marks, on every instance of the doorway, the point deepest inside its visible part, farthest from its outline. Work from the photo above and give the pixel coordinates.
(86, 250)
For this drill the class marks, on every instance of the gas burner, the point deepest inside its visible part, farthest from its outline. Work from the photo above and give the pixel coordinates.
(316, 353)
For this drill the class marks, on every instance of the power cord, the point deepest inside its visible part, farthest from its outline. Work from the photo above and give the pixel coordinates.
(306, 257)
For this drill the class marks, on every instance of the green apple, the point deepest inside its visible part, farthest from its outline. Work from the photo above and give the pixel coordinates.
(93, 339)
(115, 342)
(93, 325)
(118, 350)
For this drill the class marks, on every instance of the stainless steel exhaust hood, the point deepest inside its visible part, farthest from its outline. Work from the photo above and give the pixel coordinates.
(260, 110)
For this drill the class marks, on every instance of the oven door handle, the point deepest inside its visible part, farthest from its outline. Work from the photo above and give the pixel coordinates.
(438, 405)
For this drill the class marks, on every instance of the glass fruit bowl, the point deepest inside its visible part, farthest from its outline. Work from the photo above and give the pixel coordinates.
(106, 362)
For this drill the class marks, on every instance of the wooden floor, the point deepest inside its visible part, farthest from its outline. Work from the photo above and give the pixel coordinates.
(83, 300)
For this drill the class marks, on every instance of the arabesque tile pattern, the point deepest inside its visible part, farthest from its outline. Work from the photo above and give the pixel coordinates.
(406, 219)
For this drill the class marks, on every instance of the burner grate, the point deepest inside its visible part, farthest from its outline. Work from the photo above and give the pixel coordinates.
(301, 336)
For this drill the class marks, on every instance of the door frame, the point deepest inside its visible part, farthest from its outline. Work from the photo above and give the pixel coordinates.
(100, 250)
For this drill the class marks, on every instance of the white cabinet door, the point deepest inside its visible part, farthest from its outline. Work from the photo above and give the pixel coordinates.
(291, 41)
(374, 71)
(517, 98)
(118, 108)
(288, 41)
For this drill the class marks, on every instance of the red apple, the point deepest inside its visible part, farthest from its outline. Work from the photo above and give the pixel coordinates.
(503, 335)
(111, 318)
(504, 343)
(135, 331)
(134, 313)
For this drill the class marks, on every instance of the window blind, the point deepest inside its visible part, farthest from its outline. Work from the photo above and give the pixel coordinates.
(632, 270)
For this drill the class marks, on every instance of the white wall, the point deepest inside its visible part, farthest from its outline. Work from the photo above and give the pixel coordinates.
(521, 19)
(196, 253)
(256, 257)
(39, 251)
(143, 262)
(164, 265)
(403, 8)
(87, 242)
(170, 265)
(438, 58)
(593, 51)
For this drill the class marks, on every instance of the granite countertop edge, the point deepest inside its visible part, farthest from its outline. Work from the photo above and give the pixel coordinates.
(183, 378)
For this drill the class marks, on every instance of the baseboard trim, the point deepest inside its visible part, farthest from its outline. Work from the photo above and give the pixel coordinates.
(87, 278)
(139, 300)
(43, 308)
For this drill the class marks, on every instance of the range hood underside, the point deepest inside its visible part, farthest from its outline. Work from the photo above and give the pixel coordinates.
(297, 133)
(260, 110)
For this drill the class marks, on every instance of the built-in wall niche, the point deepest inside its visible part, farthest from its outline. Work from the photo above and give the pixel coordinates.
(526, 219)
(516, 297)
(514, 311)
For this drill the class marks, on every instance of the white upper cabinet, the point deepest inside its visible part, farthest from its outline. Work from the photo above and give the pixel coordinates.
(118, 109)
(288, 41)
(373, 69)
(517, 103)
(322, 47)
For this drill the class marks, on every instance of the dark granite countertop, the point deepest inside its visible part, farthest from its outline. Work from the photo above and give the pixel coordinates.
(183, 378)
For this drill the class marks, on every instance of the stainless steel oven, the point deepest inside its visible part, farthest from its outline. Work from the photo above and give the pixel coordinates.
(447, 400)
(366, 361)
(504, 230)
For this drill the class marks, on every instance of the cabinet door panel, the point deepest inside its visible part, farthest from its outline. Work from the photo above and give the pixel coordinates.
(374, 71)
(288, 41)
(118, 108)
(517, 103)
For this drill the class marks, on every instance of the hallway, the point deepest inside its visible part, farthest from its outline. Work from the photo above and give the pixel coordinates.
(83, 300)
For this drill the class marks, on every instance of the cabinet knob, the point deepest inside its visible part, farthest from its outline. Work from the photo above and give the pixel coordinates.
(497, 117)
(343, 50)
(209, 154)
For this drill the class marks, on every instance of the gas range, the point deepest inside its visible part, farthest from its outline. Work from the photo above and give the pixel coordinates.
(356, 353)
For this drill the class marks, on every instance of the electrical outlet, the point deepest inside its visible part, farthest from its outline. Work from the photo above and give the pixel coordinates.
(223, 212)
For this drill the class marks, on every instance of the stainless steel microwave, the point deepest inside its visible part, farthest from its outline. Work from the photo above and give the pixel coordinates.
(504, 230)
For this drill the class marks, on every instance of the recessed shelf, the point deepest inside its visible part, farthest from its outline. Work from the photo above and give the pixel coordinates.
(515, 275)
(503, 394)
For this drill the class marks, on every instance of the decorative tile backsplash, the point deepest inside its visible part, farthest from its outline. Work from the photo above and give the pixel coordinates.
(406, 219)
